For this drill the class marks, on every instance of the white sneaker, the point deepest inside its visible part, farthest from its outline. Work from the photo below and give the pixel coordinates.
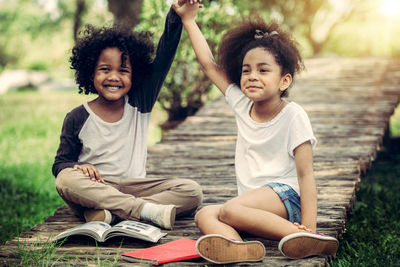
(164, 217)
(92, 215)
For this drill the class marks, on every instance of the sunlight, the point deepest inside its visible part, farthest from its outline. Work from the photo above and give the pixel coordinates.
(390, 8)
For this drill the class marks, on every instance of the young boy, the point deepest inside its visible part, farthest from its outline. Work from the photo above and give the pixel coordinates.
(101, 159)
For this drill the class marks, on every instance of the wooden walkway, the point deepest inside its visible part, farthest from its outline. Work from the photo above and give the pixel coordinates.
(349, 102)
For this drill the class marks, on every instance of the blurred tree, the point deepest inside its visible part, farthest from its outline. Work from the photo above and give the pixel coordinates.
(126, 12)
(22, 22)
(313, 19)
(81, 9)
(186, 87)
(7, 18)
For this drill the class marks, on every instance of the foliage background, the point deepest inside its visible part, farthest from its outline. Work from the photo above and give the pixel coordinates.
(38, 35)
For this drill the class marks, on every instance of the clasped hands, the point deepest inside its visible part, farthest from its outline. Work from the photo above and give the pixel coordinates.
(180, 3)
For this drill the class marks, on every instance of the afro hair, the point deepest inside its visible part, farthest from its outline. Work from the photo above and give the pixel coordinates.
(239, 40)
(136, 45)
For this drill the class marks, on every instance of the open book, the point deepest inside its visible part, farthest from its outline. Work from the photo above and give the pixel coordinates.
(102, 231)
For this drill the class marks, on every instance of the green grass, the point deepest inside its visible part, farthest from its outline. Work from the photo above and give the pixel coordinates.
(37, 254)
(395, 123)
(22, 202)
(30, 125)
(47, 254)
(372, 232)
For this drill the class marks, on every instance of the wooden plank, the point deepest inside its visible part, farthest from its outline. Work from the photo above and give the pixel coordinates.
(349, 102)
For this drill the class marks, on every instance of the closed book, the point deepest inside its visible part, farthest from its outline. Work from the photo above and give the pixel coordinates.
(177, 250)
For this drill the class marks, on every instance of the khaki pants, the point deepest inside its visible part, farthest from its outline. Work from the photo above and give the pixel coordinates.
(126, 197)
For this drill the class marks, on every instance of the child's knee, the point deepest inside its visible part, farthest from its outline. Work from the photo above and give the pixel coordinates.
(227, 212)
(194, 190)
(67, 178)
(203, 215)
(198, 216)
(198, 193)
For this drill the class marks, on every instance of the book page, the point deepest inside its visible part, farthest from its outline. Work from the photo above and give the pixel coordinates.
(136, 229)
(93, 229)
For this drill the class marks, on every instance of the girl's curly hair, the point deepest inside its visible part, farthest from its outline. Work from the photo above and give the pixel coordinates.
(85, 53)
(239, 40)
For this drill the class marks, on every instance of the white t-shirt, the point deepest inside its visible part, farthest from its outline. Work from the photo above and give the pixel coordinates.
(264, 151)
(118, 149)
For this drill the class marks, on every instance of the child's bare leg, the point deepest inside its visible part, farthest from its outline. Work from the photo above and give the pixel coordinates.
(208, 223)
(260, 212)
(223, 247)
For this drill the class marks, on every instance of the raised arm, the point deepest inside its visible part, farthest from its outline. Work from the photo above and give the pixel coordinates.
(188, 12)
(166, 48)
(165, 53)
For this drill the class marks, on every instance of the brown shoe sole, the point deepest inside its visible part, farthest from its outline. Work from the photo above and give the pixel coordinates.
(218, 249)
(304, 246)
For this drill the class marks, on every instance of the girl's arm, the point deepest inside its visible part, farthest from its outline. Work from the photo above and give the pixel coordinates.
(188, 12)
(304, 164)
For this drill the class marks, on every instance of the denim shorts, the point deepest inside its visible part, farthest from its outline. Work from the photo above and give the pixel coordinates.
(290, 199)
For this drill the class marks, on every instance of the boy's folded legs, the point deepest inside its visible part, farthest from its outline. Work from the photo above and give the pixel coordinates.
(185, 194)
(161, 215)
(80, 193)
(83, 195)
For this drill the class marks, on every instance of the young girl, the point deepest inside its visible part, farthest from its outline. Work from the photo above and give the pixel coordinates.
(100, 163)
(273, 159)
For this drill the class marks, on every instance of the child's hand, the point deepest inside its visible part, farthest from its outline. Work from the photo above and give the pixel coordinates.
(187, 9)
(302, 227)
(182, 2)
(91, 171)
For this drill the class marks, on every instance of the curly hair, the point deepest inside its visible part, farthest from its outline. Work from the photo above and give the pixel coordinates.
(137, 45)
(239, 40)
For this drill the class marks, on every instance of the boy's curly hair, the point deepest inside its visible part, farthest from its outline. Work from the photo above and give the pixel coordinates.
(137, 45)
(239, 40)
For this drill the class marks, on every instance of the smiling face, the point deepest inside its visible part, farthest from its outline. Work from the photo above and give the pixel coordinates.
(112, 80)
(261, 78)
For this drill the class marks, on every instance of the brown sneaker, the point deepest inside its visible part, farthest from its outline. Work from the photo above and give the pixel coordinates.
(220, 250)
(92, 215)
(303, 244)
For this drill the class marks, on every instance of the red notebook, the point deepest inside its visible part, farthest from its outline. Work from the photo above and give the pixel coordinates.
(177, 250)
